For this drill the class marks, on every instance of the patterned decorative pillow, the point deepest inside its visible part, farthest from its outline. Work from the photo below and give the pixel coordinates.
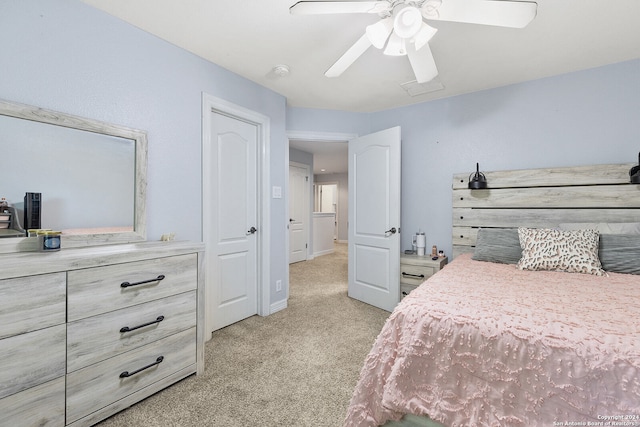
(570, 251)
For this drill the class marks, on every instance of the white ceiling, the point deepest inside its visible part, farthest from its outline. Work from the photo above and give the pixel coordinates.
(328, 156)
(251, 37)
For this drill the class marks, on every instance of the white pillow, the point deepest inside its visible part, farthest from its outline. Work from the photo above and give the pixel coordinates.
(556, 250)
(604, 227)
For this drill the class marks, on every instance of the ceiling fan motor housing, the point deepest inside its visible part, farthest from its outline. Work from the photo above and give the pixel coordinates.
(407, 21)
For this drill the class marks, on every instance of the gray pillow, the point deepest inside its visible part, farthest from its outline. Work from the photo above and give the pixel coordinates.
(620, 253)
(498, 245)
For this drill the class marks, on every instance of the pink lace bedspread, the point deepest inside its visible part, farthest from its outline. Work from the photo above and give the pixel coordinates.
(484, 344)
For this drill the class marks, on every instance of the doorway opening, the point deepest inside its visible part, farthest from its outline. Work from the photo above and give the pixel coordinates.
(327, 156)
(244, 145)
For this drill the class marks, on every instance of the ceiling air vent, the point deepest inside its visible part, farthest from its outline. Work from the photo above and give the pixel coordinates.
(413, 88)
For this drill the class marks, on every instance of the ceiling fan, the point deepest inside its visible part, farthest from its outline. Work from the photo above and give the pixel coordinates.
(402, 30)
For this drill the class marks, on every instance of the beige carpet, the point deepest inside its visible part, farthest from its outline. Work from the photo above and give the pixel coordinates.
(297, 367)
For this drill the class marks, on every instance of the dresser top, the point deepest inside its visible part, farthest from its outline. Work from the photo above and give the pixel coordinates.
(424, 260)
(29, 263)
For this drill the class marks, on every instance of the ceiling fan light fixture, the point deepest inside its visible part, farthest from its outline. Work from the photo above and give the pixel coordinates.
(407, 22)
(404, 33)
(379, 32)
(425, 34)
(396, 46)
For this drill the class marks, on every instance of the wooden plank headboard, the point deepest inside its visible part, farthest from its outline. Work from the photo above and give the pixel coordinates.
(543, 198)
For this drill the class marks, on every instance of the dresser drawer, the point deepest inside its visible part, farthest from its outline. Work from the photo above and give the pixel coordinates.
(96, 386)
(101, 289)
(41, 406)
(415, 274)
(31, 303)
(97, 338)
(31, 359)
(406, 289)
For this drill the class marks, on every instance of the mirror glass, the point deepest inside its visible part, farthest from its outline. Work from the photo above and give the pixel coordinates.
(88, 176)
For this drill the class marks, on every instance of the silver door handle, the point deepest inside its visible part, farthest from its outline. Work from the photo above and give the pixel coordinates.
(252, 230)
(389, 232)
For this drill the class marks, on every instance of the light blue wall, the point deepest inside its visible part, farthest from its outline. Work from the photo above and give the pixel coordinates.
(331, 121)
(300, 156)
(587, 117)
(66, 56)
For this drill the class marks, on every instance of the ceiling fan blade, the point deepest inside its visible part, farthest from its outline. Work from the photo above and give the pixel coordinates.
(349, 56)
(326, 7)
(500, 13)
(422, 62)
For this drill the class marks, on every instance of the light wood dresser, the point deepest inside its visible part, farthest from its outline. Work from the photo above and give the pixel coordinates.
(85, 333)
(416, 269)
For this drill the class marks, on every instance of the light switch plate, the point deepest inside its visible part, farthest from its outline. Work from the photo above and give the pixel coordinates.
(277, 192)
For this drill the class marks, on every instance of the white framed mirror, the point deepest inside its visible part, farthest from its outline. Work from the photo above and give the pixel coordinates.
(91, 177)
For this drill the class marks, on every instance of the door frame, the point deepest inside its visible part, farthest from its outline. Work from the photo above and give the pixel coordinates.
(310, 136)
(212, 104)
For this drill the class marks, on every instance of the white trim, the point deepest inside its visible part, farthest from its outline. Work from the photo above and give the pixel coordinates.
(301, 135)
(210, 104)
(286, 217)
(325, 252)
(279, 305)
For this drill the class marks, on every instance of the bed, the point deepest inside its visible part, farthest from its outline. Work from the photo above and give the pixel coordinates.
(501, 338)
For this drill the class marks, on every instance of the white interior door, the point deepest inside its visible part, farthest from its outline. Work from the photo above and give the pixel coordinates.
(374, 218)
(298, 212)
(232, 235)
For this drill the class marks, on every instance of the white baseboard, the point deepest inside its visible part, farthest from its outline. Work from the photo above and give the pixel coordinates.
(325, 252)
(277, 306)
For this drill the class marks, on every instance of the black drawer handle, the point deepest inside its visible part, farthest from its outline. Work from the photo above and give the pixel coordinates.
(419, 276)
(128, 329)
(127, 374)
(127, 284)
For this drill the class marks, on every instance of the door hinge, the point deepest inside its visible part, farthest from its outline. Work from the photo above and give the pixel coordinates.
(306, 178)
(306, 246)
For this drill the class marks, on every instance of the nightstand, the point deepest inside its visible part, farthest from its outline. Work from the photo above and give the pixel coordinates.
(416, 269)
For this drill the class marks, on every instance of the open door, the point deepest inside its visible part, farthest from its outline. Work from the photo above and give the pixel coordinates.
(231, 219)
(374, 218)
